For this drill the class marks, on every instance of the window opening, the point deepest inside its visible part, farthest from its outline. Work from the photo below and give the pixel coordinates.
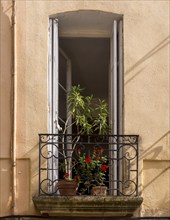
(96, 64)
(90, 59)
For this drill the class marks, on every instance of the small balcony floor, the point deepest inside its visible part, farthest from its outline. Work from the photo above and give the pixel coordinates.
(87, 206)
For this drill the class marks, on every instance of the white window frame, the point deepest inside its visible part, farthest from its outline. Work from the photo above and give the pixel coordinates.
(115, 88)
(53, 72)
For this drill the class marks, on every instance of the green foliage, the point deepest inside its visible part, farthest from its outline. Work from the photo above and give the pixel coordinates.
(91, 170)
(88, 116)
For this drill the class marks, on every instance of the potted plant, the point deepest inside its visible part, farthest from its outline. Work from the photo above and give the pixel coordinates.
(91, 171)
(67, 186)
(88, 115)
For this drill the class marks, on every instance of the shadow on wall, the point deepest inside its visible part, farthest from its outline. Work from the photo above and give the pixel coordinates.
(33, 154)
(157, 151)
(156, 49)
(156, 189)
(157, 165)
(156, 173)
(6, 94)
(5, 107)
(158, 147)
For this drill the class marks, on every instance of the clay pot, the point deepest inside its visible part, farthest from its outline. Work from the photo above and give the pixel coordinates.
(67, 188)
(99, 191)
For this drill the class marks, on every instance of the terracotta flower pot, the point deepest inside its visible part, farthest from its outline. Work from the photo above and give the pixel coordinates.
(99, 191)
(67, 188)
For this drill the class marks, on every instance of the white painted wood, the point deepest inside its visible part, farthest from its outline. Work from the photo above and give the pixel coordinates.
(116, 96)
(49, 163)
(120, 73)
(55, 66)
(68, 85)
(53, 101)
(113, 105)
(50, 77)
(115, 79)
(68, 121)
(120, 93)
(55, 96)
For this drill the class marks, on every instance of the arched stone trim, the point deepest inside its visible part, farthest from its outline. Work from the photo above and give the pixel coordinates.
(86, 23)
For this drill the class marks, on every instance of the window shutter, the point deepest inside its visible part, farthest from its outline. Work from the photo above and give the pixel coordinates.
(120, 77)
(116, 99)
(52, 172)
(53, 76)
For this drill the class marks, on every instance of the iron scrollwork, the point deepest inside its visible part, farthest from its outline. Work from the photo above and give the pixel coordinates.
(121, 150)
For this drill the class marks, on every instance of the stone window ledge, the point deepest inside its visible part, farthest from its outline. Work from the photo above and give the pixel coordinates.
(91, 206)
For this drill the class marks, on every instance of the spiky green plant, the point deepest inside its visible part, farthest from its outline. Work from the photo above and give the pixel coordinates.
(90, 115)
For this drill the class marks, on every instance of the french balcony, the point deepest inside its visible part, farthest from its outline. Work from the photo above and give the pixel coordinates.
(120, 153)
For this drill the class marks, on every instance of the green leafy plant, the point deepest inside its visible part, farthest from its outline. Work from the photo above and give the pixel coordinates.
(89, 115)
(91, 170)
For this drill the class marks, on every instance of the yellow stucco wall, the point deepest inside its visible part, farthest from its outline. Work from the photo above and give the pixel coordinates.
(146, 101)
(5, 106)
(6, 70)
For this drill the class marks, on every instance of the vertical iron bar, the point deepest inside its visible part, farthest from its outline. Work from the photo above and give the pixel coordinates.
(137, 166)
(39, 163)
(118, 166)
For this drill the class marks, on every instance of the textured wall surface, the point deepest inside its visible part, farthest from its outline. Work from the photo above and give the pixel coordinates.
(5, 76)
(6, 79)
(155, 189)
(146, 87)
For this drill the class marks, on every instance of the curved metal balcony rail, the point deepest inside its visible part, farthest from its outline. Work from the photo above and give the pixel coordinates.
(121, 151)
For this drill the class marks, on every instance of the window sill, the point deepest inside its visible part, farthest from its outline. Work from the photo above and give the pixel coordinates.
(91, 206)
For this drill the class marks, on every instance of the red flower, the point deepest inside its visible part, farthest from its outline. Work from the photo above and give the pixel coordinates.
(95, 151)
(78, 150)
(76, 177)
(88, 159)
(66, 175)
(97, 158)
(104, 167)
(100, 151)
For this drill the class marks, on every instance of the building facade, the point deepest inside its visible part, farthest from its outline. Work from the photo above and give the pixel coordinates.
(84, 29)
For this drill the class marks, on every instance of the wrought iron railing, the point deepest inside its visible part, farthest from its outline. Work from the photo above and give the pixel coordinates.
(121, 151)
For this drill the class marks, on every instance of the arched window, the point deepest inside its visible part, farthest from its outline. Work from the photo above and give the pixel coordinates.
(86, 48)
